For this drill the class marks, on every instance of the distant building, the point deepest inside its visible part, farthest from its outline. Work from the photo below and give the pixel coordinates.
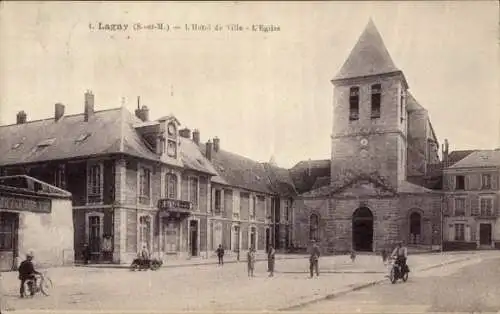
(250, 207)
(471, 207)
(37, 217)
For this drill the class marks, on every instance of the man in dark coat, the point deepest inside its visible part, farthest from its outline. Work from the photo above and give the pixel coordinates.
(26, 272)
(270, 260)
(220, 254)
(86, 253)
(314, 259)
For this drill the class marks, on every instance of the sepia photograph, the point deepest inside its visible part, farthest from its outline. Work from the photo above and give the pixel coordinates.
(249, 156)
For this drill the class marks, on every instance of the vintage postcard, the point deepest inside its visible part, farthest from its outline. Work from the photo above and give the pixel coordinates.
(292, 156)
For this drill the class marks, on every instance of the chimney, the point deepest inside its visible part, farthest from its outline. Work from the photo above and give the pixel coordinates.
(185, 133)
(21, 117)
(196, 136)
(445, 153)
(142, 113)
(58, 111)
(216, 144)
(89, 105)
(208, 150)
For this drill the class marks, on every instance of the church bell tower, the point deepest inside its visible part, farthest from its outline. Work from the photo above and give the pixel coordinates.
(369, 113)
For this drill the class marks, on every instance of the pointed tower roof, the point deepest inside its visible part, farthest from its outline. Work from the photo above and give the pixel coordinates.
(368, 57)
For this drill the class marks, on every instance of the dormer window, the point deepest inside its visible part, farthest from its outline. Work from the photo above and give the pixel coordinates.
(172, 149)
(376, 99)
(82, 137)
(44, 144)
(172, 130)
(354, 103)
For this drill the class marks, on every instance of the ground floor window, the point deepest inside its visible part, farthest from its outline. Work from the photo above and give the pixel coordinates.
(95, 233)
(171, 236)
(236, 239)
(7, 231)
(217, 234)
(145, 232)
(459, 232)
(253, 238)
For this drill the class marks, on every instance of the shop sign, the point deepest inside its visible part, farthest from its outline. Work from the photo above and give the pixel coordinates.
(172, 204)
(25, 204)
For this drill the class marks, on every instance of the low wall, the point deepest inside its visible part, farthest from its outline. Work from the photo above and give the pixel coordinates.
(459, 246)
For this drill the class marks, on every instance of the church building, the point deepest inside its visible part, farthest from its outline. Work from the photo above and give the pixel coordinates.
(378, 187)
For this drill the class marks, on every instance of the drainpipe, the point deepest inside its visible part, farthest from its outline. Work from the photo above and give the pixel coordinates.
(442, 226)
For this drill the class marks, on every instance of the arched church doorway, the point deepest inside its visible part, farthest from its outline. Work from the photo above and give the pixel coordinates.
(415, 227)
(362, 230)
(314, 227)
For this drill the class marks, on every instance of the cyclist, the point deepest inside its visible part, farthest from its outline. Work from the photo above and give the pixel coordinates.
(26, 272)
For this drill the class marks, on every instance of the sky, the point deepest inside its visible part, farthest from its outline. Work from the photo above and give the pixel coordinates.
(262, 93)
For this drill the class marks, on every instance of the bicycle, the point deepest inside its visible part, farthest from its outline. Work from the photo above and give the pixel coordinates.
(43, 285)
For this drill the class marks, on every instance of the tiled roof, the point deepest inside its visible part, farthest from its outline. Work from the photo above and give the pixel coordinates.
(193, 159)
(349, 179)
(480, 158)
(407, 187)
(239, 171)
(106, 132)
(457, 155)
(101, 134)
(321, 181)
(305, 173)
(412, 104)
(280, 180)
(368, 57)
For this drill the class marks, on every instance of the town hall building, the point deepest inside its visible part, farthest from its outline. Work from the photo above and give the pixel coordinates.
(377, 188)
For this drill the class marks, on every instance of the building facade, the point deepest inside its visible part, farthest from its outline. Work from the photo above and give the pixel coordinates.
(472, 208)
(136, 182)
(382, 145)
(247, 197)
(37, 217)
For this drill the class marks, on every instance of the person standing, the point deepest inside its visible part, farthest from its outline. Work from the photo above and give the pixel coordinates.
(314, 259)
(86, 253)
(220, 254)
(251, 261)
(270, 260)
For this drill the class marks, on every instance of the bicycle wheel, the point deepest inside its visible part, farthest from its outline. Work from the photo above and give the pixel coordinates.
(46, 286)
(392, 276)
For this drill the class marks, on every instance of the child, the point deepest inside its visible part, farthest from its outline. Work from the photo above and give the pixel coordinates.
(384, 256)
(251, 261)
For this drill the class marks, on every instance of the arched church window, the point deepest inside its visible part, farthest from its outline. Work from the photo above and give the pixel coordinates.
(314, 227)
